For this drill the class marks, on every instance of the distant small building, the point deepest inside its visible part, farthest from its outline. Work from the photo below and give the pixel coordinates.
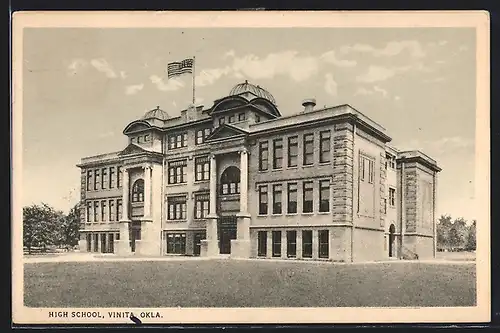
(240, 179)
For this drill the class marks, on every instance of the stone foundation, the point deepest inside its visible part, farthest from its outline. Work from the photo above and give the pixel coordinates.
(209, 248)
(122, 248)
(240, 248)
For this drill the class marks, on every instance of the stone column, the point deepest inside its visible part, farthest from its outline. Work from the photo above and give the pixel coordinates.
(147, 192)
(123, 245)
(284, 244)
(210, 245)
(240, 247)
(315, 243)
(269, 245)
(299, 244)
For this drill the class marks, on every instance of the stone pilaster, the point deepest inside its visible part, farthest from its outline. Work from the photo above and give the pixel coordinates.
(411, 190)
(343, 142)
(210, 245)
(240, 247)
(123, 245)
(383, 190)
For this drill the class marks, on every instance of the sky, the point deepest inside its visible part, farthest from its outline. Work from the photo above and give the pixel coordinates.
(82, 86)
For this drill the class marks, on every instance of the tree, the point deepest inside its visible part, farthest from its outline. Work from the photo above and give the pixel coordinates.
(471, 237)
(458, 234)
(39, 226)
(443, 228)
(70, 224)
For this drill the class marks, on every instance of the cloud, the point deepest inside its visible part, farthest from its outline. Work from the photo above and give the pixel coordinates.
(397, 98)
(229, 53)
(376, 73)
(209, 76)
(123, 74)
(170, 85)
(103, 66)
(443, 42)
(391, 49)
(374, 90)
(330, 85)
(76, 65)
(443, 145)
(289, 63)
(331, 57)
(134, 89)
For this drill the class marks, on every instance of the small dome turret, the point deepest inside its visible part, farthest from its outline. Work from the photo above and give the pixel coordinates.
(156, 114)
(255, 90)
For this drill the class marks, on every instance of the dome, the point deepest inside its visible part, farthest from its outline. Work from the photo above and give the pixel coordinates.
(256, 90)
(156, 113)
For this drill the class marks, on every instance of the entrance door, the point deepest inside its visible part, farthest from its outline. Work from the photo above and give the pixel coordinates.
(227, 231)
(392, 231)
(198, 236)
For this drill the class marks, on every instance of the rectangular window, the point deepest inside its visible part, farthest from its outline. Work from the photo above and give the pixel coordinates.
(89, 211)
(202, 166)
(104, 211)
(324, 248)
(202, 205)
(176, 243)
(392, 197)
(277, 199)
(257, 118)
(176, 208)
(96, 211)
(308, 157)
(202, 134)
(262, 243)
(371, 171)
(178, 140)
(277, 153)
(324, 144)
(263, 155)
(222, 120)
(241, 116)
(147, 138)
(104, 181)
(263, 200)
(292, 198)
(276, 237)
(231, 118)
(119, 209)
(177, 172)
(307, 243)
(293, 151)
(291, 243)
(96, 242)
(324, 195)
(97, 180)
(89, 180)
(307, 197)
(111, 210)
(362, 168)
(112, 178)
(120, 177)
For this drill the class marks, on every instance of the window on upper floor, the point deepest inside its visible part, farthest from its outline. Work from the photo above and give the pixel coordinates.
(96, 211)
(89, 180)
(308, 157)
(263, 200)
(119, 209)
(112, 177)
(230, 181)
(392, 196)
(202, 134)
(307, 197)
(231, 119)
(177, 172)
(97, 179)
(112, 210)
(292, 198)
(104, 211)
(277, 153)
(202, 167)
(138, 191)
(366, 169)
(104, 182)
(277, 199)
(293, 151)
(176, 208)
(257, 118)
(89, 211)
(202, 205)
(241, 116)
(263, 155)
(222, 120)
(147, 138)
(324, 143)
(178, 140)
(324, 195)
(119, 180)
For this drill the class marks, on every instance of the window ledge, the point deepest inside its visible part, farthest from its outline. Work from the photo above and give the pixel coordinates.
(277, 169)
(293, 167)
(308, 165)
(263, 215)
(200, 181)
(325, 163)
(324, 213)
(276, 215)
(175, 221)
(263, 171)
(177, 184)
(308, 214)
(291, 214)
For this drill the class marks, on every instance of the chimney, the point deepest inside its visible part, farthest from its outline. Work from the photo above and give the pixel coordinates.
(309, 104)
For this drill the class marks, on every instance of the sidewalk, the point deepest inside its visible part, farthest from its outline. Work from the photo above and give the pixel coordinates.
(99, 257)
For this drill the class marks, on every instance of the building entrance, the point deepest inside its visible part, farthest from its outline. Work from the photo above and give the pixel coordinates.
(392, 231)
(226, 232)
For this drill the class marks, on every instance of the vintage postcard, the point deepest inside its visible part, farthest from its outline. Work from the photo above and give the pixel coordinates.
(250, 167)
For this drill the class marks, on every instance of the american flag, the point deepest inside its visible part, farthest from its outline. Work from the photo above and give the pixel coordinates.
(180, 67)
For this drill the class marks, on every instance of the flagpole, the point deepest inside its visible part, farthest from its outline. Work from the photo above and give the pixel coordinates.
(194, 64)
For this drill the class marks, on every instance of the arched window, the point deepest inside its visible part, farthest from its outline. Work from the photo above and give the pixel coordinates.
(138, 191)
(230, 181)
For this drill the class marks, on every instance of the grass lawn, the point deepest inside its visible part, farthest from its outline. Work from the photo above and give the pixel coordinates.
(232, 283)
